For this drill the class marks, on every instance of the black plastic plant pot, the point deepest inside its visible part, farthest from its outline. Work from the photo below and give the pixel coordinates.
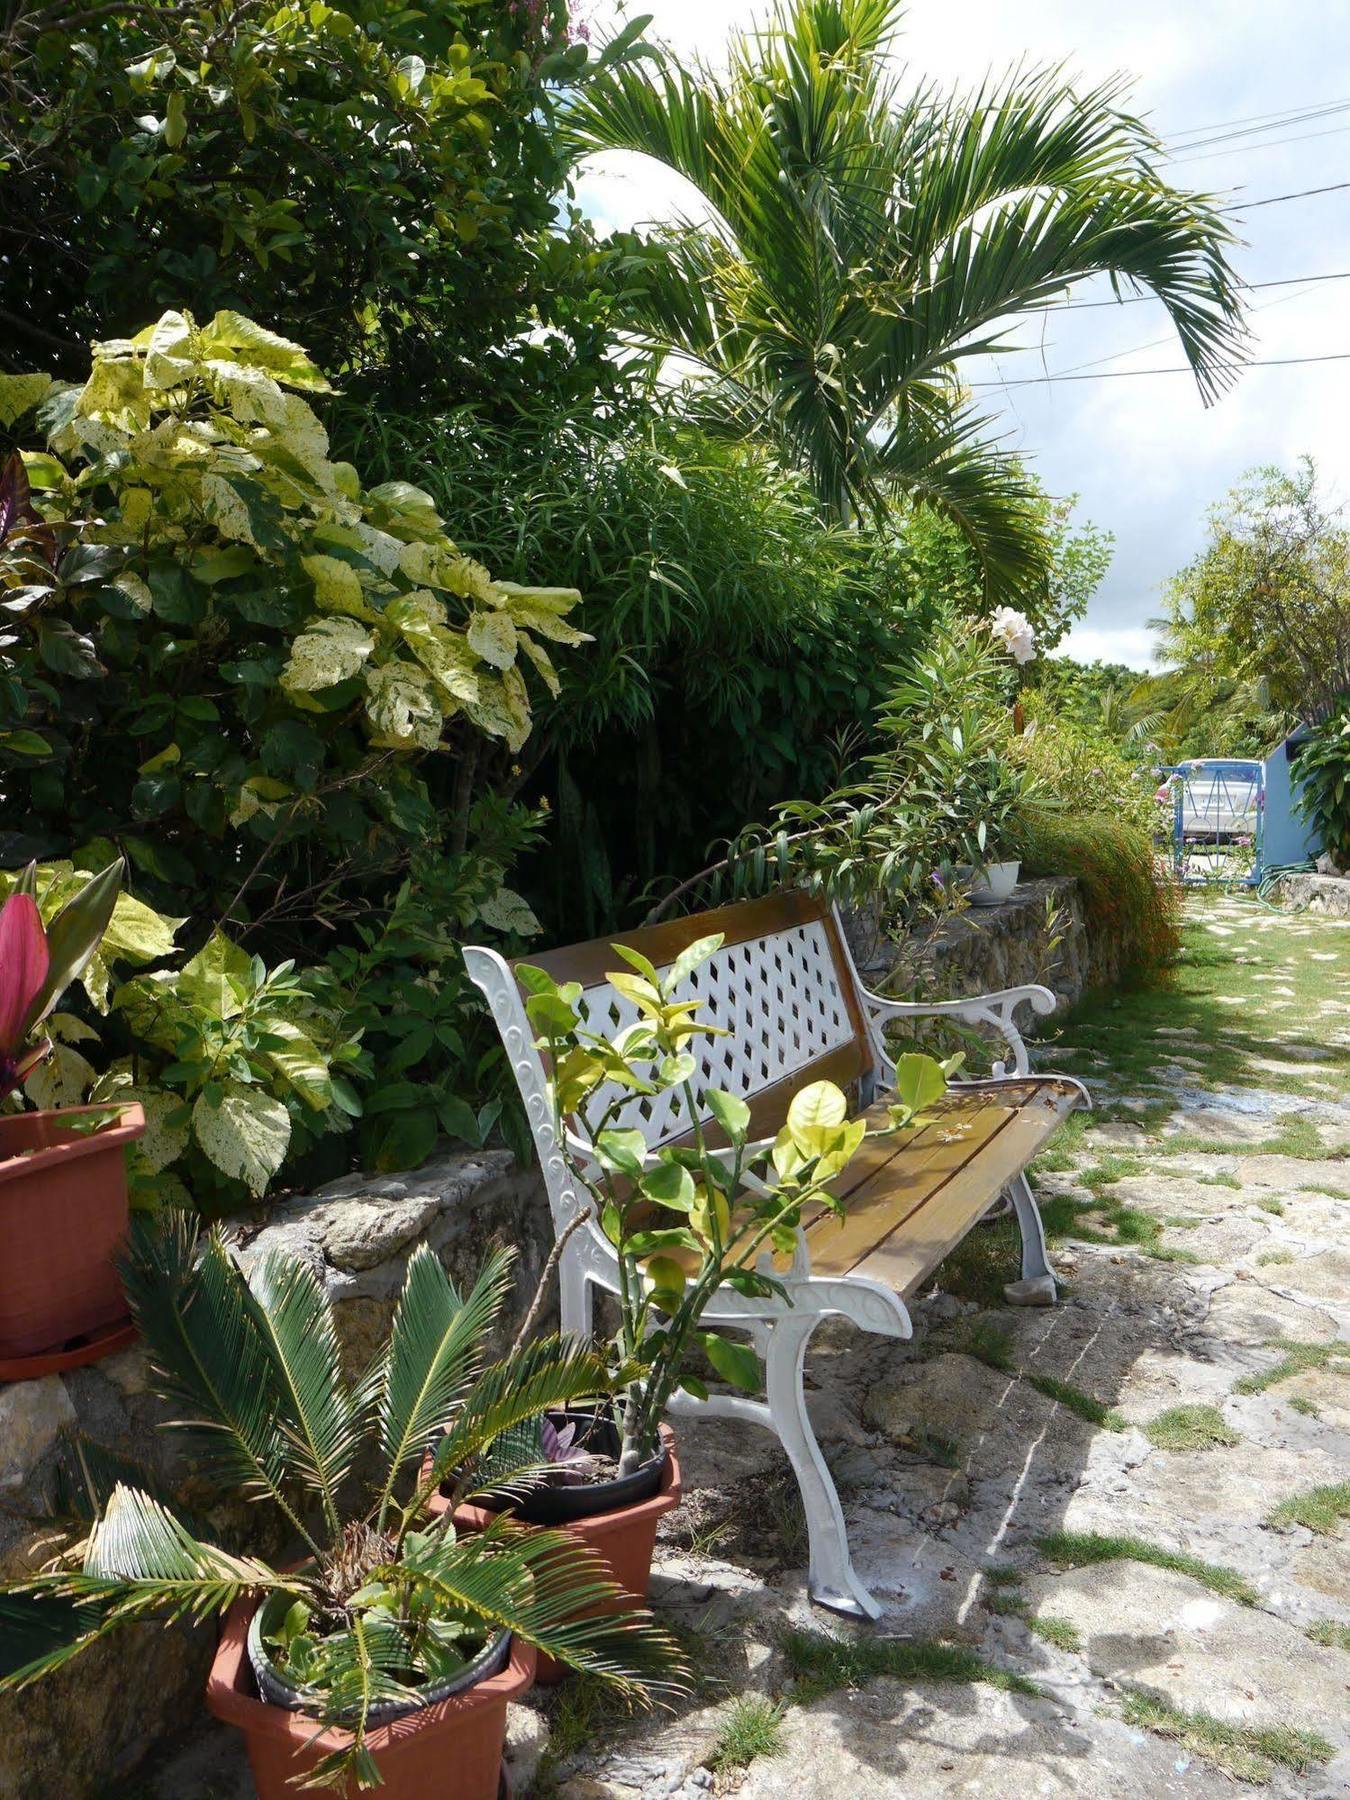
(561, 1503)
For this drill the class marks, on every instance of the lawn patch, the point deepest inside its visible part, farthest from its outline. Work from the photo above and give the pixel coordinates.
(1190, 1428)
(1078, 1549)
(1319, 1509)
(818, 1664)
(1096, 1412)
(753, 1728)
(1298, 1359)
(1247, 1752)
(1062, 1633)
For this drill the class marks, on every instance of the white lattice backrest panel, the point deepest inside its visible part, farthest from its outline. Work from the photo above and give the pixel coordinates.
(781, 999)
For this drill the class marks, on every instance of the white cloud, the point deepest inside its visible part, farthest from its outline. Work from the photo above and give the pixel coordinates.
(1143, 453)
(1128, 644)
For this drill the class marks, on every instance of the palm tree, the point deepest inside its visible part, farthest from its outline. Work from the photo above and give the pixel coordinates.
(864, 240)
(385, 1601)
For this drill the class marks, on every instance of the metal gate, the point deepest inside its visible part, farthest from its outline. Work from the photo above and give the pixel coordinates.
(1218, 820)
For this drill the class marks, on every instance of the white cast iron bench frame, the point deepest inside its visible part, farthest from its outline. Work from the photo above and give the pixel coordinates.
(786, 985)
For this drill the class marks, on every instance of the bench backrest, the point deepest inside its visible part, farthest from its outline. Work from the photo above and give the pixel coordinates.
(782, 984)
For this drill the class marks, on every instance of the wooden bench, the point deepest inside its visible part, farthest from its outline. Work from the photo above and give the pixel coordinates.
(785, 986)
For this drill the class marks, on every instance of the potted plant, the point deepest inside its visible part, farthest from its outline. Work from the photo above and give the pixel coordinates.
(684, 1219)
(63, 1184)
(387, 1653)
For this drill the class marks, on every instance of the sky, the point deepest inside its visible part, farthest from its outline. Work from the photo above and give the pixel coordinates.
(1144, 455)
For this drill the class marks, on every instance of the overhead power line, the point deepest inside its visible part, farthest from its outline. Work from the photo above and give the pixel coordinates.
(1271, 144)
(1260, 362)
(1275, 199)
(1251, 287)
(1298, 115)
(1276, 117)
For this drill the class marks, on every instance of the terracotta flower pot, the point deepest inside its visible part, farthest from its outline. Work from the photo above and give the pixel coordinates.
(449, 1751)
(63, 1215)
(625, 1538)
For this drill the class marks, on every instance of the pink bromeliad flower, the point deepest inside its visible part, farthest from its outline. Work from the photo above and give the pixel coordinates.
(38, 963)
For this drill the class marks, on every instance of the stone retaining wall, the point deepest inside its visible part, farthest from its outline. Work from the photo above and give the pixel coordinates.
(78, 1732)
(1041, 934)
(1326, 894)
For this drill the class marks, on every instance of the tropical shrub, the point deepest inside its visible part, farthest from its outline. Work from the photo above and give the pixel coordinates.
(741, 645)
(1132, 903)
(271, 689)
(378, 181)
(1256, 632)
(1081, 768)
(942, 793)
(719, 1208)
(385, 1601)
(1323, 790)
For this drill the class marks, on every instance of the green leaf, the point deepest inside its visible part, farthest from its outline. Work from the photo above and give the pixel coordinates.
(735, 1363)
(731, 1113)
(669, 1184)
(434, 1352)
(692, 956)
(919, 1081)
(820, 1105)
(621, 1151)
(246, 1134)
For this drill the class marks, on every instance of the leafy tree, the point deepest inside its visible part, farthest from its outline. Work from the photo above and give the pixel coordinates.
(1075, 558)
(377, 180)
(866, 239)
(1259, 622)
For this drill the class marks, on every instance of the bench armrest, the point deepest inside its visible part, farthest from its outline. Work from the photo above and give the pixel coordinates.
(995, 1009)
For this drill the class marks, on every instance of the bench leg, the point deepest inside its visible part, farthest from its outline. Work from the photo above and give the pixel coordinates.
(831, 1581)
(1037, 1286)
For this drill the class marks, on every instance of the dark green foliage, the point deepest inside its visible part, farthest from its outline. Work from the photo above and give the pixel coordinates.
(741, 645)
(1324, 784)
(377, 180)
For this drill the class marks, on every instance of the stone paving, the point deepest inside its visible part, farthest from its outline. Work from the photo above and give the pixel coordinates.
(1086, 1589)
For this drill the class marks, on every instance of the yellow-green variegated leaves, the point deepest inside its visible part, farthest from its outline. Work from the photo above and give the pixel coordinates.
(212, 426)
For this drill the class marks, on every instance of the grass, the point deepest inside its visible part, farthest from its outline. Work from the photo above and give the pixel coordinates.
(933, 1447)
(818, 1664)
(1246, 1752)
(1222, 1179)
(1330, 1633)
(1319, 1509)
(1267, 1257)
(1270, 1204)
(753, 1728)
(1182, 1221)
(1302, 1404)
(1062, 1633)
(1190, 1428)
(1078, 1549)
(1326, 1191)
(991, 1343)
(1096, 1412)
(1298, 1359)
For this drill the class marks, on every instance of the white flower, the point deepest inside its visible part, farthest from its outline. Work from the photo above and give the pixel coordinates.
(1013, 630)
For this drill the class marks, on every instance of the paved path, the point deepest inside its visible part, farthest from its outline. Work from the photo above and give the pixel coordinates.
(1018, 1483)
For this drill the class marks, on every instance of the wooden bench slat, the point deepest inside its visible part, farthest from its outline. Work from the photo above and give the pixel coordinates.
(908, 1253)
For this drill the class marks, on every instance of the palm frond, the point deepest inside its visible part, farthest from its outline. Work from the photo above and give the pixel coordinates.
(194, 1312)
(546, 1375)
(863, 242)
(320, 1417)
(434, 1353)
(537, 1584)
